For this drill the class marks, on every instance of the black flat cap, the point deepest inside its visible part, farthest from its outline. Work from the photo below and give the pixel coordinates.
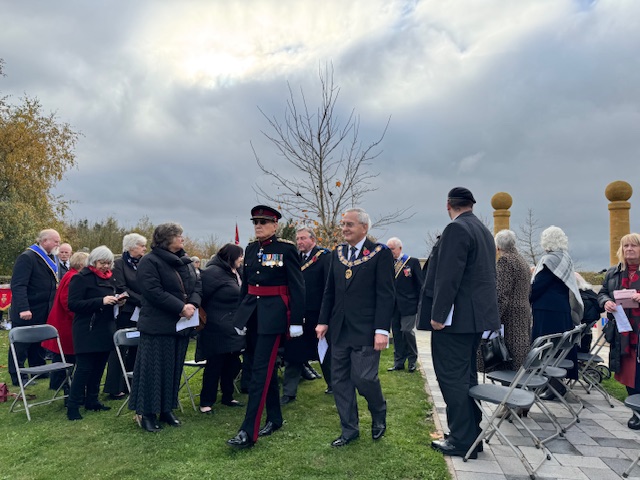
(265, 212)
(461, 193)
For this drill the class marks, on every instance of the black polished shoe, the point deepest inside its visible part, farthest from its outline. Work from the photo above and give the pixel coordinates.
(232, 403)
(268, 429)
(170, 419)
(148, 423)
(342, 441)
(446, 448)
(548, 396)
(479, 447)
(307, 374)
(377, 430)
(97, 407)
(312, 370)
(634, 423)
(241, 440)
(329, 391)
(412, 367)
(73, 414)
(395, 368)
(286, 399)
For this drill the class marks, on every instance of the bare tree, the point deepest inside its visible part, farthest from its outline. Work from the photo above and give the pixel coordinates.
(331, 165)
(528, 238)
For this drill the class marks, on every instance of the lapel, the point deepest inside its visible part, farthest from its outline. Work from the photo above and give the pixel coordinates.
(367, 245)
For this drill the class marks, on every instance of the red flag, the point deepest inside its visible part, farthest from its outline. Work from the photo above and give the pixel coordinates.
(237, 235)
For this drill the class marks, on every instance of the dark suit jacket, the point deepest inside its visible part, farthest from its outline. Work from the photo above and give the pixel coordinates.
(33, 287)
(408, 286)
(315, 277)
(61, 269)
(264, 271)
(127, 281)
(354, 309)
(462, 273)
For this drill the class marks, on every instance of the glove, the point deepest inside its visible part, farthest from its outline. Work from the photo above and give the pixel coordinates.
(242, 332)
(295, 331)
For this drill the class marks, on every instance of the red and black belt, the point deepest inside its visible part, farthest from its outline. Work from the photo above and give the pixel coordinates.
(273, 291)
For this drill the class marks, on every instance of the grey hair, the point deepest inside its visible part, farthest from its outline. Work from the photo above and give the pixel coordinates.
(164, 234)
(506, 240)
(195, 259)
(78, 260)
(44, 234)
(363, 217)
(101, 253)
(553, 239)
(582, 283)
(308, 230)
(131, 240)
(396, 241)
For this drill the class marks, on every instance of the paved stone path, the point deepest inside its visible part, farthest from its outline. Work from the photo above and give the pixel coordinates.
(600, 447)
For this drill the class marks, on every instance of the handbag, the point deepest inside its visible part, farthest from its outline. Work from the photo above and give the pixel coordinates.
(494, 351)
(4, 392)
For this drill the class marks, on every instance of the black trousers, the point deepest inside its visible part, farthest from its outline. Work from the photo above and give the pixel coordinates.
(223, 369)
(454, 362)
(405, 347)
(356, 368)
(31, 352)
(57, 378)
(114, 383)
(263, 389)
(86, 379)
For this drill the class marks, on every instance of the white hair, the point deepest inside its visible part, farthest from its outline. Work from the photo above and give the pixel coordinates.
(396, 241)
(131, 240)
(363, 217)
(506, 240)
(100, 254)
(553, 239)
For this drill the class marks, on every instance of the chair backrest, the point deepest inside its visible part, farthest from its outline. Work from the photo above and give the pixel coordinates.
(126, 337)
(535, 361)
(32, 333)
(569, 339)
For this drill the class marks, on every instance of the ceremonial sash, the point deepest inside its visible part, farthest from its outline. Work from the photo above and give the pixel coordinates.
(400, 263)
(43, 255)
(312, 260)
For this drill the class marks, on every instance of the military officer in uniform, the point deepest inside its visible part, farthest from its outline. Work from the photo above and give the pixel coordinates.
(271, 305)
(315, 269)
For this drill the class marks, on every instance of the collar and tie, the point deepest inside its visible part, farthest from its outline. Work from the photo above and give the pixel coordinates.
(352, 257)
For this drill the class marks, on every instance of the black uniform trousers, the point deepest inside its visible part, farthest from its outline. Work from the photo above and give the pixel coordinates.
(454, 363)
(405, 347)
(32, 352)
(263, 389)
(351, 368)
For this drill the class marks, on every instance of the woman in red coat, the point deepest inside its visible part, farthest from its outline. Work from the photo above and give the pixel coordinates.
(61, 317)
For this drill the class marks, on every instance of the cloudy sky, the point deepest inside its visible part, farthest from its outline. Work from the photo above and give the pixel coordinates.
(537, 98)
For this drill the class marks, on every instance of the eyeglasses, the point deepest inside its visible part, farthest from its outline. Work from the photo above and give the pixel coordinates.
(260, 221)
(349, 224)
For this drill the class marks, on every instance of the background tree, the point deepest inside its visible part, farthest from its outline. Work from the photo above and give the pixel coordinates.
(36, 150)
(529, 238)
(331, 165)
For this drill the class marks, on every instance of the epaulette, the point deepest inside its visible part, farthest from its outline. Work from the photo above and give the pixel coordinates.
(284, 240)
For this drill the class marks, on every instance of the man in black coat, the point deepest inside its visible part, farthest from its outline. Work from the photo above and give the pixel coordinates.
(315, 269)
(461, 289)
(64, 254)
(356, 308)
(271, 305)
(408, 279)
(33, 288)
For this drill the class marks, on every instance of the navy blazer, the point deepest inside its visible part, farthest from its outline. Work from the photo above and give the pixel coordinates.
(462, 273)
(315, 277)
(408, 286)
(33, 287)
(355, 308)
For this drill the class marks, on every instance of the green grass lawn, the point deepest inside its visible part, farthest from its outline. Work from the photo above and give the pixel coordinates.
(615, 388)
(105, 446)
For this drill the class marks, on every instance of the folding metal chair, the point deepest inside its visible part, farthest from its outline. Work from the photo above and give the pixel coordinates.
(633, 402)
(509, 399)
(185, 383)
(126, 337)
(590, 374)
(37, 334)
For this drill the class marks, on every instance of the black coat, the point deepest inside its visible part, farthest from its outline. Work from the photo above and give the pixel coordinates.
(33, 287)
(355, 308)
(315, 272)
(409, 282)
(612, 281)
(264, 271)
(462, 273)
(162, 292)
(93, 323)
(220, 294)
(127, 281)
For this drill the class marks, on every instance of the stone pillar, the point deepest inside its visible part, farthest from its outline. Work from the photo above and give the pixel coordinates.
(501, 203)
(618, 193)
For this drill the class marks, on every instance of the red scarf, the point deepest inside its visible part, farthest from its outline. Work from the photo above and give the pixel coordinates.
(106, 275)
